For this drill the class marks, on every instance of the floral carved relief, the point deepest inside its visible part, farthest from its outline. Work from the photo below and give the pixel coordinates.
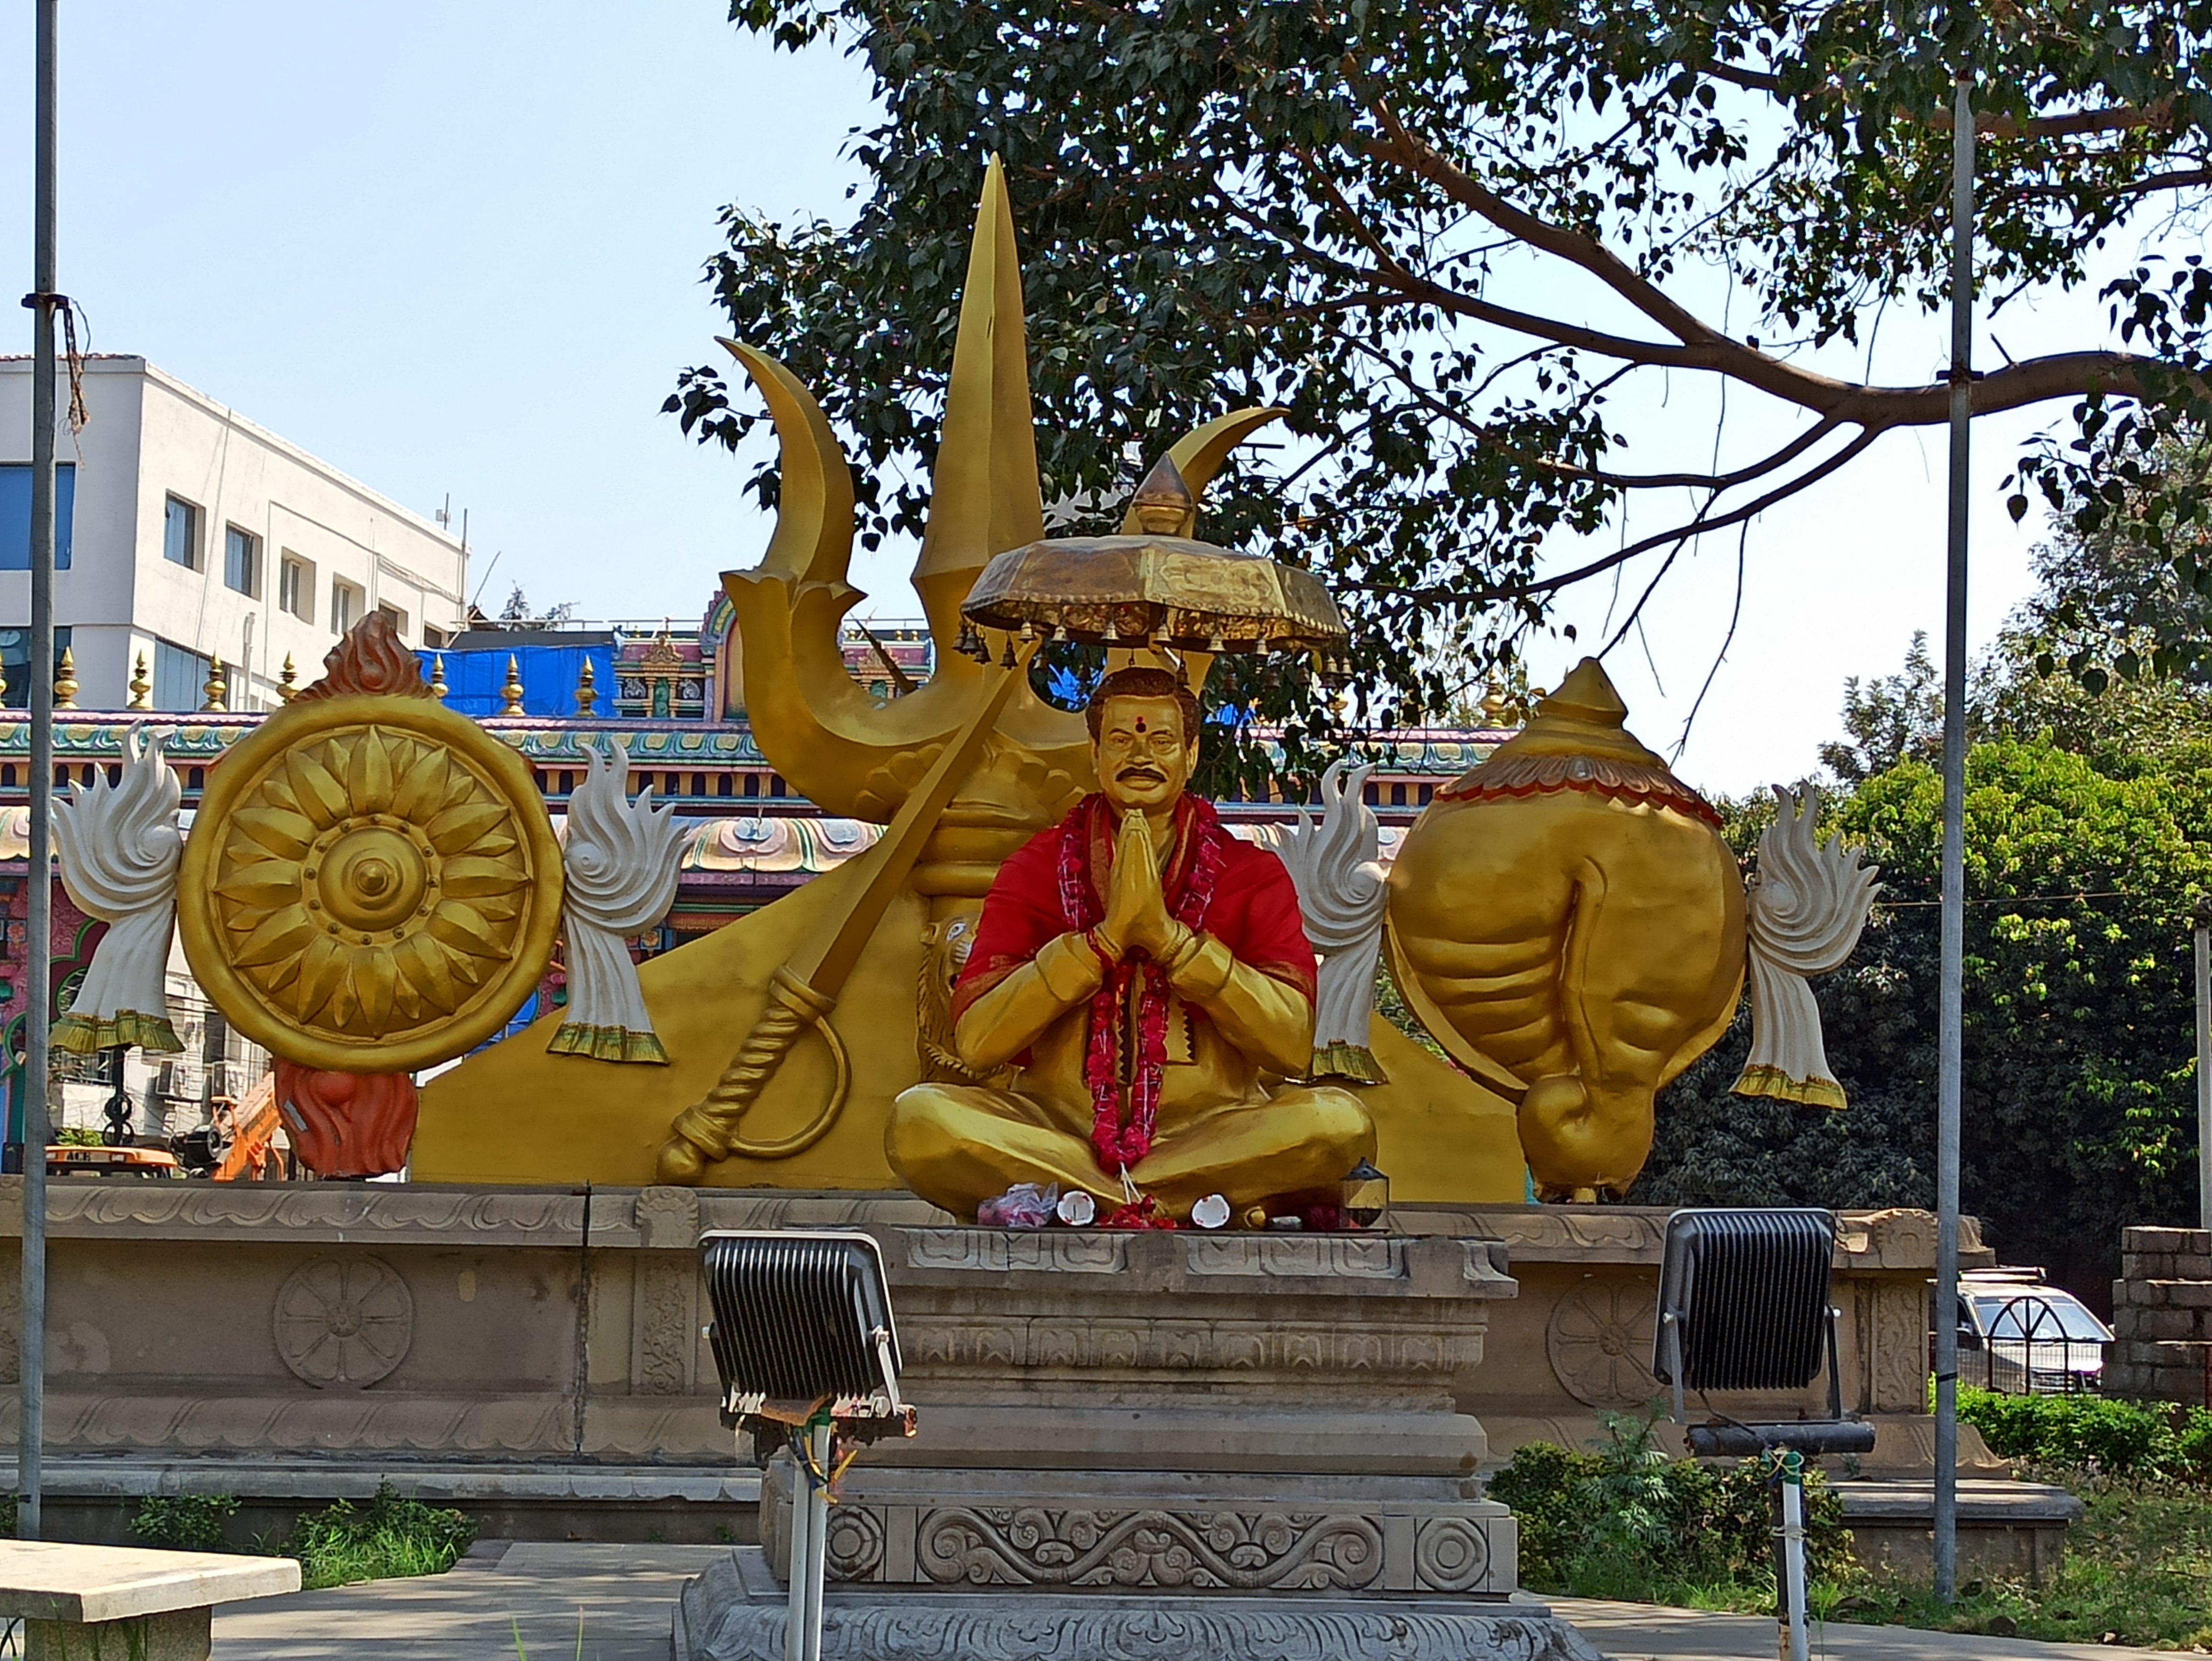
(986, 1546)
(343, 1322)
(1599, 1339)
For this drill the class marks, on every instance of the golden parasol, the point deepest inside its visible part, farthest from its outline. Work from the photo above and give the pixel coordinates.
(1154, 584)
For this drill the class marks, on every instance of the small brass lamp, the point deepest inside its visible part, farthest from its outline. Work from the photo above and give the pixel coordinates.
(1366, 1196)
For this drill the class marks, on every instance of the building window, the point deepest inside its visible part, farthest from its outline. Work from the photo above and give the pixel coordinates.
(396, 617)
(180, 534)
(296, 586)
(180, 677)
(346, 606)
(15, 663)
(241, 562)
(16, 514)
(435, 637)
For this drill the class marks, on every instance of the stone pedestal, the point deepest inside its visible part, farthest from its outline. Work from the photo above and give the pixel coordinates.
(735, 1612)
(1192, 1531)
(1250, 1422)
(1062, 1349)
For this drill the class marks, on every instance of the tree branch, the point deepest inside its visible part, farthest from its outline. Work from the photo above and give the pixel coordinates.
(1698, 527)
(2033, 381)
(2116, 117)
(2181, 178)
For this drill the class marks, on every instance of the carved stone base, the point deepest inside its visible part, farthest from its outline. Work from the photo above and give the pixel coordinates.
(1349, 1536)
(735, 1612)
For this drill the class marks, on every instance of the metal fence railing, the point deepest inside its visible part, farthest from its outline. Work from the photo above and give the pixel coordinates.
(2027, 1349)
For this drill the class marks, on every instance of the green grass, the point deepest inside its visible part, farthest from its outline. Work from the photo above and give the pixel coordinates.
(2138, 1570)
(1623, 1521)
(522, 1654)
(390, 1538)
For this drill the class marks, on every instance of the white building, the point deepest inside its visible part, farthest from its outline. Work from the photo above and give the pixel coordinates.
(191, 536)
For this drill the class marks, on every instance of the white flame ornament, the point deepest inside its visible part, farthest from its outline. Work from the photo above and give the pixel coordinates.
(119, 848)
(619, 858)
(1342, 895)
(1805, 908)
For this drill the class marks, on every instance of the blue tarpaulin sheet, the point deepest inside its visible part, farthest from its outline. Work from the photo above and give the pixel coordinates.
(549, 674)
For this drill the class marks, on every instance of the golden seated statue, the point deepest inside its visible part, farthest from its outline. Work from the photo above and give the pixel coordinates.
(1145, 977)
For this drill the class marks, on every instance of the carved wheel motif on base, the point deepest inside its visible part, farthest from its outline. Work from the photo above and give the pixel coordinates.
(1597, 1341)
(1450, 1554)
(855, 1547)
(343, 1322)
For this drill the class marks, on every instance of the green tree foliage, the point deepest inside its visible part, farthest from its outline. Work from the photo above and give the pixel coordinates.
(2078, 1098)
(1443, 237)
(1888, 721)
(2087, 840)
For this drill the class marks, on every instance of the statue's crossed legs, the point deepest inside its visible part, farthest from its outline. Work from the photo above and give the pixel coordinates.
(960, 1144)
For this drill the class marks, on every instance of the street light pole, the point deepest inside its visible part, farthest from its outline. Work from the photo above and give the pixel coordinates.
(2202, 918)
(1951, 1013)
(43, 301)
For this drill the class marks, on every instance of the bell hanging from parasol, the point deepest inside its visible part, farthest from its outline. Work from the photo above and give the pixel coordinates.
(1154, 584)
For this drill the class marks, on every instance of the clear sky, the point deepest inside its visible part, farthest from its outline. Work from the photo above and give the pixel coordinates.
(454, 250)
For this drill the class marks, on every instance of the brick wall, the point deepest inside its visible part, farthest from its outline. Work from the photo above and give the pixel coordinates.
(2163, 1316)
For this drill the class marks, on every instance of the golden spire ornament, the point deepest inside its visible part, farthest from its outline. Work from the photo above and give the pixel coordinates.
(141, 687)
(65, 680)
(510, 696)
(438, 687)
(287, 679)
(217, 689)
(587, 691)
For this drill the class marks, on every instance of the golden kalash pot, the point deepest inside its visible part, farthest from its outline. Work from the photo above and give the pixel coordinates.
(1566, 919)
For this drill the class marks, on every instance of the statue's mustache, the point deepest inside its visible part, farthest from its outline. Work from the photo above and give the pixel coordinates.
(1128, 773)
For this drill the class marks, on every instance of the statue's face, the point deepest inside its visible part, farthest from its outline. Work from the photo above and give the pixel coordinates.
(1143, 761)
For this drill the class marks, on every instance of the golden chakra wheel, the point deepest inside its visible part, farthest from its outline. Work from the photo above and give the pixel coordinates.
(371, 885)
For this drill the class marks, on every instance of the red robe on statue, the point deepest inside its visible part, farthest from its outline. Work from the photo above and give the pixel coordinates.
(1239, 894)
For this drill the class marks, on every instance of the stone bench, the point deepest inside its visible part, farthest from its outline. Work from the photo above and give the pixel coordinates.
(105, 1603)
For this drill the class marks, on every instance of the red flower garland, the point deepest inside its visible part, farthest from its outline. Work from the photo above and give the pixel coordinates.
(1200, 851)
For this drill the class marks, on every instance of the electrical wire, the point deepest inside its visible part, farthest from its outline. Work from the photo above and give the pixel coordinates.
(2073, 895)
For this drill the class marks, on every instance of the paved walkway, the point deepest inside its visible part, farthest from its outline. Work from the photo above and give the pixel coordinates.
(1644, 1632)
(623, 1595)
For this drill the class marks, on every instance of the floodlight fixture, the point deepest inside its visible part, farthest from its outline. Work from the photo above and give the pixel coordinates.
(1743, 1305)
(808, 1356)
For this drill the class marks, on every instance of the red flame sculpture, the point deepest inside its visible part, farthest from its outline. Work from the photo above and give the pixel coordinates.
(347, 1124)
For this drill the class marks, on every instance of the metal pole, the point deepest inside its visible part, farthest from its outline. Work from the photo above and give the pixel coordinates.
(799, 1575)
(1954, 851)
(818, 1536)
(1793, 1644)
(2202, 918)
(42, 300)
